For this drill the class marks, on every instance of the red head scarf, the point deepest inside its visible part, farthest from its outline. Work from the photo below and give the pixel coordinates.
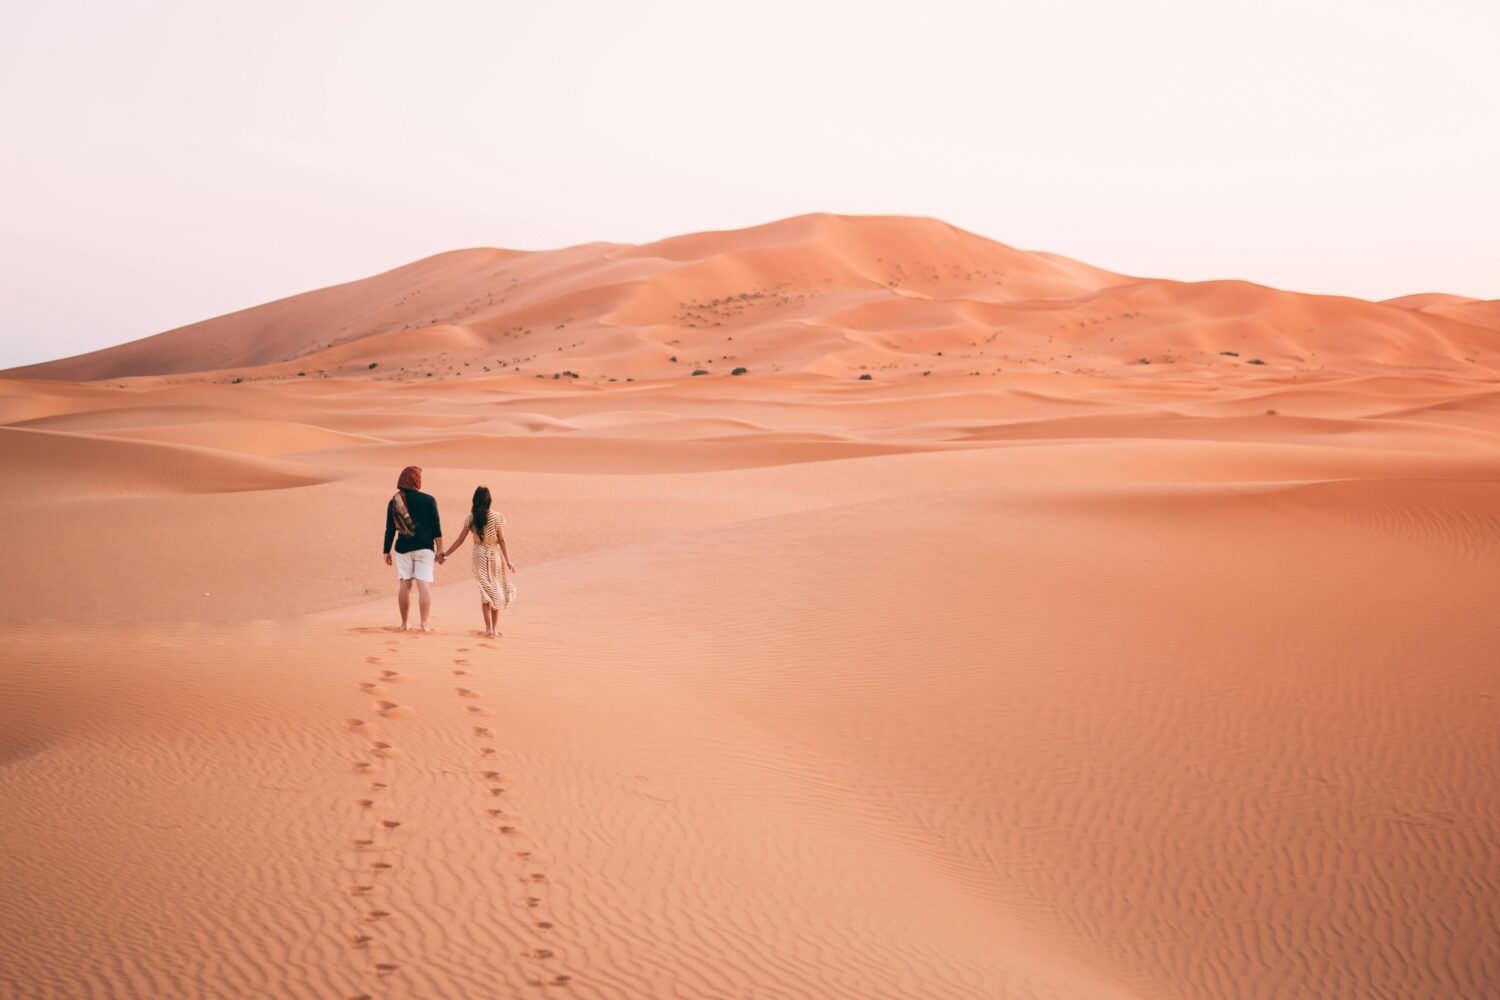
(411, 478)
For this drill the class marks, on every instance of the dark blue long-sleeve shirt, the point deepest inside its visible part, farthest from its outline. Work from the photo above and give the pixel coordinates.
(424, 516)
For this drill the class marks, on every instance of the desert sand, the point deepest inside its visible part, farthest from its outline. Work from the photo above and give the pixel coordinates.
(1116, 639)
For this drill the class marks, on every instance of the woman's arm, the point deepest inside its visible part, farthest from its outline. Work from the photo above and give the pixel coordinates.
(457, 543)
(500, 536)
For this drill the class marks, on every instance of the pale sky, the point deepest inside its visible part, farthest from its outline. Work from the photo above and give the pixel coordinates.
(167, 162)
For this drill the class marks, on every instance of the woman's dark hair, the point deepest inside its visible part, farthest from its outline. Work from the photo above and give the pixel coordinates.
(481, 510)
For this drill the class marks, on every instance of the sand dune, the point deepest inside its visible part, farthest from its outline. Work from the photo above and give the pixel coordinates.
(1079, 678)
(832, 295)
(64, 465)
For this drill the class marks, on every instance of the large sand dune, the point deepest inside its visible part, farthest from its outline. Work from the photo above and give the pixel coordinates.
(1076, 678)
(835, 295)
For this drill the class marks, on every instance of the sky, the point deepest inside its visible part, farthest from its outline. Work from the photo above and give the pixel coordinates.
(167, 162)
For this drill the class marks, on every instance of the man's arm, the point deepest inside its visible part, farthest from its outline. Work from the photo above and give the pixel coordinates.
(390, 530)
(437, 532)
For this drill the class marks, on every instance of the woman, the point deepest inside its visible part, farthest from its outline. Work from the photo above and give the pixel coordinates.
(491, 562)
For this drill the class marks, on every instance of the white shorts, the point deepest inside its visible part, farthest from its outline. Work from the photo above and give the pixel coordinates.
(414, 565)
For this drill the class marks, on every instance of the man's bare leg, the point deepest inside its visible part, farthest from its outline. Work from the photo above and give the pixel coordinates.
(424, 602)
(403, 600)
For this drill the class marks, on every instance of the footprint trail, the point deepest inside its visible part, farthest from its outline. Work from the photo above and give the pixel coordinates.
(518, 852)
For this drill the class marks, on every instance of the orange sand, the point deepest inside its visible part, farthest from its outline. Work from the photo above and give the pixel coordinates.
(1074, 678)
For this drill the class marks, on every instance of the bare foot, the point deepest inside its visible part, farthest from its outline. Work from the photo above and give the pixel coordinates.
(426, 627)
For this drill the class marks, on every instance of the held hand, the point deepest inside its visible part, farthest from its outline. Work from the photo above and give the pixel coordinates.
(508, 567)
(387, 558)
(442, 557)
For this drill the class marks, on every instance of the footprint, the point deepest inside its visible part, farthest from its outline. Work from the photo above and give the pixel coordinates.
(481, 710)
(364, 803)
(506, 829)
(362, 765)
(462, 663)
(360, 941)
(467, 693)
(462, 649)
(375, 915)
(487, 751)
(384, 750)
(481, 731)
(533, 901)
(561, 980)
(390, 824)
(371, 688)
(378, 786)
(360, 890)
(392, 677)
(539, 952)
(372, 659)
(496, 776)
(544, 925)
(354, 723)
(523, 855)
(391, 710)
(496, 813)
(538, 877)
(497, 791)
(360, 845)
(460, 673)
(380, 866)
(385, 968)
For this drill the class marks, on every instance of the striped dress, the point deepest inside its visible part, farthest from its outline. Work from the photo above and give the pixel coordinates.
(488, 564)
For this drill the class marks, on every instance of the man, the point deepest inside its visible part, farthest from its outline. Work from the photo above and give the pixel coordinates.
(411, 520)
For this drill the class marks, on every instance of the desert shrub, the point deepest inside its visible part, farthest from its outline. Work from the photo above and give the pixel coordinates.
(1255, 361)
(700, 371)
(865, 377)
(1230, 354)
(740, 371)
(373, 364)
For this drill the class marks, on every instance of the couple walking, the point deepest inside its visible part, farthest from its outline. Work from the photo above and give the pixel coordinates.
(412, 523)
